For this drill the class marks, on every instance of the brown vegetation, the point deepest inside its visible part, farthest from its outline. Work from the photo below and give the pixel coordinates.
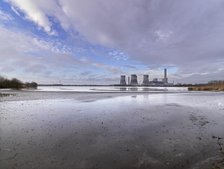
(207, 87)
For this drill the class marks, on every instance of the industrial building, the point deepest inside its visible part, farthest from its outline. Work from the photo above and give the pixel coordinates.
(133, 81)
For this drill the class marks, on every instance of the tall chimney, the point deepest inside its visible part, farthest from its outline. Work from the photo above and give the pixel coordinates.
(165, 79)
(165, 73)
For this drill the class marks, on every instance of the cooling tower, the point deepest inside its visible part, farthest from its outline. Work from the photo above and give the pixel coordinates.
(145, 80)
(122, 81)
(134, 80)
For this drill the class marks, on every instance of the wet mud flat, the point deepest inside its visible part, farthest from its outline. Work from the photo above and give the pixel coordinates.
(112, 131)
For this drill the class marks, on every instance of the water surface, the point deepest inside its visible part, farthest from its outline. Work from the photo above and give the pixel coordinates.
(111, 130)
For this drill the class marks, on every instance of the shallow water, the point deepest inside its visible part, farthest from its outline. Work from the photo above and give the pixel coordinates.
(81, 130)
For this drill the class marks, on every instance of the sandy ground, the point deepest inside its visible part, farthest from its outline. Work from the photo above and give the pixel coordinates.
(57, 130)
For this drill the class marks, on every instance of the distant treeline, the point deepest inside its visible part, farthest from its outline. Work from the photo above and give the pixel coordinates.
(15, 84)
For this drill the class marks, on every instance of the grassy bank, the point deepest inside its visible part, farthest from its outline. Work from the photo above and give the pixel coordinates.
(207, 87)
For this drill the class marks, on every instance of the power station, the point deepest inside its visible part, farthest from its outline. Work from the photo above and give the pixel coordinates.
(133, 81)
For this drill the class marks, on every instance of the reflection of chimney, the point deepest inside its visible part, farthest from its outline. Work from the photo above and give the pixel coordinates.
(145, 80)
(122, 81)
(134, 80)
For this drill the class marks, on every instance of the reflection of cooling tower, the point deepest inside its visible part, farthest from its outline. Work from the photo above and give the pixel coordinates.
(122, 81)
(134, 80)
(145, 80)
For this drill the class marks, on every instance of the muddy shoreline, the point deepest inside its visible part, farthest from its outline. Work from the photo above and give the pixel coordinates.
(109, 130)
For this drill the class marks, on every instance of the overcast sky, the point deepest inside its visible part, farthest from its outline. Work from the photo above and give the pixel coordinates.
(95, 41)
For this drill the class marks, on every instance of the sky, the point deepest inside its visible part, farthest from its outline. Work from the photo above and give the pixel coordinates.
(96, 41)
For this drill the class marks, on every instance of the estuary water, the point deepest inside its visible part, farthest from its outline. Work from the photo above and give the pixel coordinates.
(111, 89)
(63, 129)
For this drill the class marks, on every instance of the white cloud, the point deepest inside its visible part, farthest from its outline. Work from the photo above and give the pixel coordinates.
(24, 54)
(4, 16)
(28, 57)
(163, 35)
(187, 34)
(15, 11)
(34, 12)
